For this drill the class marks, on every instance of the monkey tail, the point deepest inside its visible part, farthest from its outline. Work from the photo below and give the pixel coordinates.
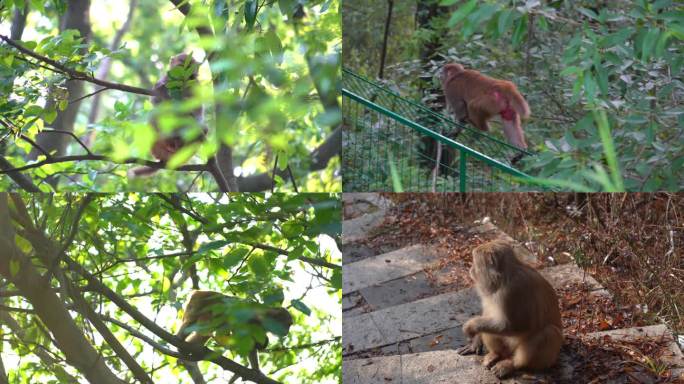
(141, 172)
(517, 101)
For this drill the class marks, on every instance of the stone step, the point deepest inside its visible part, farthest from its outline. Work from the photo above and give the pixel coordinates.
(427, 317)
(446, 366)
(386, 267)
(675, 357)
(360, 227)
(437, 367)
(408, 321)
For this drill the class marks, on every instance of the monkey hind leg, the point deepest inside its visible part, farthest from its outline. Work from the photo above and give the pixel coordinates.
(479, 113)
(497, 349)
(539, 351)
(514, 132)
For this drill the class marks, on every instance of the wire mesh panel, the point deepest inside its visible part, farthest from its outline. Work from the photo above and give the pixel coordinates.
(392, 143)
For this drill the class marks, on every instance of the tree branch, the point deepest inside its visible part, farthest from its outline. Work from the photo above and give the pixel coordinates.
(319, 160)
(22, 180)
(74, 74)
(193, 349)
(64, 159)
(184, 7)
(310, 260)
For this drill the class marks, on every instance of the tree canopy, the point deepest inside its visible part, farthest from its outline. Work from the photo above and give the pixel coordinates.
(94, 285)
(76, 76)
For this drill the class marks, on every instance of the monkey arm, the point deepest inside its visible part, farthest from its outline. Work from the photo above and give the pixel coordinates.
(485, 324)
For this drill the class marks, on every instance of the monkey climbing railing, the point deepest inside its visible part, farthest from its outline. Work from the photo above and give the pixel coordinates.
(390, 142)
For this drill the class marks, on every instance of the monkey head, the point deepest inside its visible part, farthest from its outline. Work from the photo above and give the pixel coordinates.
(449, 71)
(184, 60)
(491, 261)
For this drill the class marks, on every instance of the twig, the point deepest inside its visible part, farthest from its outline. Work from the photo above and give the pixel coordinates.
(294, 183)
(88, 95)
(65, 159)
(69, 133)
(74, 74)
(35, 145)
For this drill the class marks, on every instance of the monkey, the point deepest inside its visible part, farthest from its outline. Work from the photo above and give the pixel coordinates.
(207, 312)
(476, 98)
(176, 84)
(520, 325)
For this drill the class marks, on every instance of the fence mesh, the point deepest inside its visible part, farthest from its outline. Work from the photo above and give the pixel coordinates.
(393, 143)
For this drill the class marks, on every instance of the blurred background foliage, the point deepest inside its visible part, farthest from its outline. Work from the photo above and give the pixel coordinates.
(268, 81)
(603, 78)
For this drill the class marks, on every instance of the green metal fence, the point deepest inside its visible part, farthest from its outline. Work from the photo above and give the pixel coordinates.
(390, 142)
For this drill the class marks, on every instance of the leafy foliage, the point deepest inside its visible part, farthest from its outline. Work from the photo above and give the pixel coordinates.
(151, 250)
(263, 77)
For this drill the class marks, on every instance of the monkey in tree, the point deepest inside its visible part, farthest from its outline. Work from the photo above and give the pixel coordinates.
(175, 85)
(520, 325)
(207, 313)
(474, 97)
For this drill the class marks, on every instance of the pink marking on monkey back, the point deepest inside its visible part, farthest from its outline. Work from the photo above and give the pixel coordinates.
(507, 113)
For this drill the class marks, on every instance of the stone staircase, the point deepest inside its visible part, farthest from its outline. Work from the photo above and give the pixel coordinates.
(398, 329)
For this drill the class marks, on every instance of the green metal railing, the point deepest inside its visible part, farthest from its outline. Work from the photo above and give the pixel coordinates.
(389, 140)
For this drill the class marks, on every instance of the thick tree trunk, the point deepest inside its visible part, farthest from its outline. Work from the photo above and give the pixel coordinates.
(18, 269)
(76, 17)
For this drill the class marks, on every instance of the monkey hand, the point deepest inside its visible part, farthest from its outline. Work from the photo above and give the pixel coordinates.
(470, 327)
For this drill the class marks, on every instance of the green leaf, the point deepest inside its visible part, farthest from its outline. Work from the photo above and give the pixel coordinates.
(212, 245)
(292, 229)
(461, 13)
(588, 12)
(63, 104)
(504, 22)
(258, 265)
(234, 257)
(662, 43)
(520, 31)
(14, 267)
(649, 43)
(287, 7)
(49, 115)
(250, 13)
(274, 298)
(573, 70)
(609, 149)
(301, 307)
(617, 38)
(589, 87)
(336, 279)
(602, 78)
(33, 110)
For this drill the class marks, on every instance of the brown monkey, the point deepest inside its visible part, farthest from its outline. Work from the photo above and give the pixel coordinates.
(208, 313)
(520, 323)
(477, 98)
(176, 84)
